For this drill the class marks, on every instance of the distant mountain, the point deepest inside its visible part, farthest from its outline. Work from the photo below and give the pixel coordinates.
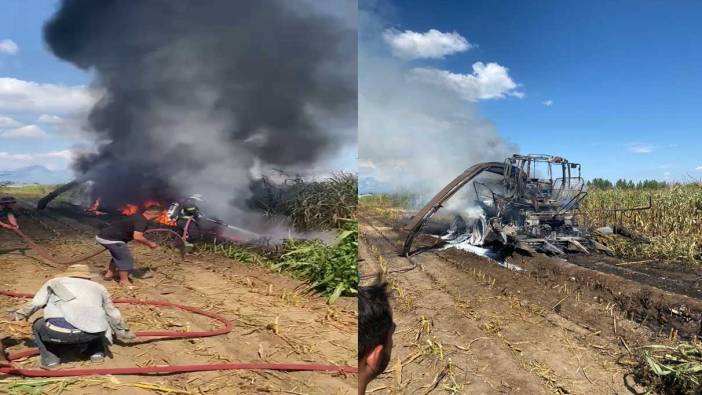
(35, 175)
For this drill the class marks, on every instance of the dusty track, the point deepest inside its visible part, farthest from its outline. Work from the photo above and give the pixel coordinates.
(465, 325)
(274, 321)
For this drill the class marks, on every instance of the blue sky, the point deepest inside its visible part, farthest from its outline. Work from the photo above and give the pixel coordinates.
(22, 22)
(622, 78)
(42, 99)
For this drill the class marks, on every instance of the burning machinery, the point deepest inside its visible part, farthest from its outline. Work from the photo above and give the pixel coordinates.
(184, 216)
(528, 203)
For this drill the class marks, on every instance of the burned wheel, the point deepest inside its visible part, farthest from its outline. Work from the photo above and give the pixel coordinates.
(166, 238)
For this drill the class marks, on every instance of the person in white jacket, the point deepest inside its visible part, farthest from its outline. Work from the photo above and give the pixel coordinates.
(77, 311)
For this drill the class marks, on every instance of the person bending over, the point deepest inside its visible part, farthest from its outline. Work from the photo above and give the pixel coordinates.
(375, 330)
(116, 236)
(78, 313)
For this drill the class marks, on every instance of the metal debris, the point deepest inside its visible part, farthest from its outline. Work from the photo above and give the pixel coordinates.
(529, 207)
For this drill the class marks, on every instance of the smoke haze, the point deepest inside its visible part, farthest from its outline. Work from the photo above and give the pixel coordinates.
(414, 135)
(203, 97)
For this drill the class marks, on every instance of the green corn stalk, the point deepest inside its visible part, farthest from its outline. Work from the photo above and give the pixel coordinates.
(673, 224)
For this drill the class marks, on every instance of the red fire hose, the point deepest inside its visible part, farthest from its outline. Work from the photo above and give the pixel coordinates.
(51, 261)
(46, 257)
(164, 369)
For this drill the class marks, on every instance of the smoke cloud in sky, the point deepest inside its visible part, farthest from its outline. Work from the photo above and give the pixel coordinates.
(415, 135)
(204, 98)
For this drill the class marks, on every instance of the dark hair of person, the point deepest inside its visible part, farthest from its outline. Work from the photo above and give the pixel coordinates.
(7, 201)
(374, 317)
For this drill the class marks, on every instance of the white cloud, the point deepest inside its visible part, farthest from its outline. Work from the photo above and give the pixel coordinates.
(72, 126)
(24, 132)
(548, 103)
(366, 164)
(69, 127)
(640, 148)
(50, 119)
(27, 96)
(432, 44)
(64, 154)
(698, 168)
(7, 122)
(8, 47)
(488, 81)
(53, 160)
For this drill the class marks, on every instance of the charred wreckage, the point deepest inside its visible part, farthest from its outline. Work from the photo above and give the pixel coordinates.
(182, 214)
(526, 204)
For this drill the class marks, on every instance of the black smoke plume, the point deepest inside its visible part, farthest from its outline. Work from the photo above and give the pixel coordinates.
(200, 96)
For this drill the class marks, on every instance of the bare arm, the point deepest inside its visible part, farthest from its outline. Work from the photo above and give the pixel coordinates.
(139, 237)
(11, 222)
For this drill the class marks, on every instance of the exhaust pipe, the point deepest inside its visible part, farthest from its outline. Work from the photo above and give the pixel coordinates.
(43, 202)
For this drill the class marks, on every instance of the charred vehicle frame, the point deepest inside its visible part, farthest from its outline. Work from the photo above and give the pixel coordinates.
(530, 208)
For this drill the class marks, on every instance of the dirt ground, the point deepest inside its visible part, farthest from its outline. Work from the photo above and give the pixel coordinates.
(274, 320)
(467, 325)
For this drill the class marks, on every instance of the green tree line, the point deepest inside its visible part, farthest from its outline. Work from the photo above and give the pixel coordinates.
(601, 183)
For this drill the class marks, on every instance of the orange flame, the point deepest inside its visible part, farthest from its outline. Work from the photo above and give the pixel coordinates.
(131, 209)
(95, 205)
(94, 208)
(164, 219)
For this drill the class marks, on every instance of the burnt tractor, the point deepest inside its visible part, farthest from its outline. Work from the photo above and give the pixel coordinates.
(527, 203)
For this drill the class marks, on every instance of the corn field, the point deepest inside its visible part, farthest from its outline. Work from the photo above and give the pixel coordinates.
(673, 224)
(310, 205)
(672, 369)
(328, 269)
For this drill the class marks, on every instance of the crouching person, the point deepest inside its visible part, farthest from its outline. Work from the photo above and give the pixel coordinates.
(77, 312)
